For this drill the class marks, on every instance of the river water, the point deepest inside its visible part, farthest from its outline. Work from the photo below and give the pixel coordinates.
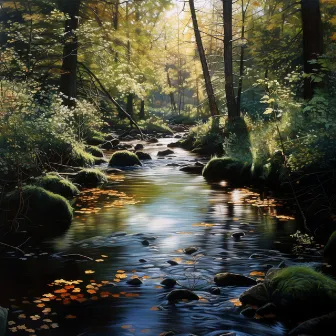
(101, 251)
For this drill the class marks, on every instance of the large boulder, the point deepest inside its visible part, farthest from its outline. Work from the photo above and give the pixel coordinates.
(95, 151)
(302, 292)
(38, 209)
(123, 159)
(90, 177)
(232, 279)
(322, 325)
(257, 295)
(165, 152)
(228, 169)
(57, 185)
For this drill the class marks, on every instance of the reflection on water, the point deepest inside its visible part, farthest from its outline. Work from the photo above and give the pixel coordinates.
(174, 210)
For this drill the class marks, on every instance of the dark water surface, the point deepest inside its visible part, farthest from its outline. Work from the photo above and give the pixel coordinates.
(178, 210)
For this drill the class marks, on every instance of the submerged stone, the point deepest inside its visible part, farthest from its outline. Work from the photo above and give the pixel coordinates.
(134, 282)
(181, 294)
(232, 279)
(168, 282)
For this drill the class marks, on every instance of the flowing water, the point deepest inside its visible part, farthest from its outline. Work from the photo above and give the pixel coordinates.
(171, 210)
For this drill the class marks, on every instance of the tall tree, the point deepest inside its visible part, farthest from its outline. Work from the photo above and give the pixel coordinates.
(68, 83)
(205, 68)
(233, 111)
(312, 41)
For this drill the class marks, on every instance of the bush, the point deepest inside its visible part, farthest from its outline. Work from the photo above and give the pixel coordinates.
(226, 168)
(90, 177)
(38, 209)
(302, 292)
(123, 159)
(57, 185)
(95, 151)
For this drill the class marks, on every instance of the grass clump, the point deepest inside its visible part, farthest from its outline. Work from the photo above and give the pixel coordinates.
(302, 292)
(123, 159)
(38, 208)
(90, 177)
(95, 151)
(57, 185)
(226, 168)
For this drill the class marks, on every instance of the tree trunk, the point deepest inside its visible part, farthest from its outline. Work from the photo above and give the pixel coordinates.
(142, 110)
(171, 94)
(232, 107)
(129, 105)
(312, 41)
(208, 85)
(68, 85)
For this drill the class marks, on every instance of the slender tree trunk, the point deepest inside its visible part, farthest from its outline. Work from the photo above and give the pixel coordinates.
(129, 105)
(232, 107)
(68, 85)
(242, 55)
(171, 94)
(208, 85)
(142, 110)
(116, 24)
(312, 41)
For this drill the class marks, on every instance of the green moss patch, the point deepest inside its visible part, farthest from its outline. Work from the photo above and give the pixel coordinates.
(57, 185)
(302, 292)
(90, 177)
(95, 151)
(38, 209)
(123, 159)
(228, 169)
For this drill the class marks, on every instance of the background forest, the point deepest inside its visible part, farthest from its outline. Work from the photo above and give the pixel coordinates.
(254, 79)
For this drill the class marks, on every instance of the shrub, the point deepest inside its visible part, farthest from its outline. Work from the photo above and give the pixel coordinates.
(90, 177)
(95, 151)
(38, 208)
(57, 185)
(123, 159)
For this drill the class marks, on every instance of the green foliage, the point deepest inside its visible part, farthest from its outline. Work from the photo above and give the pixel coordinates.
(90, 178)
(57, 185)
(303, 292)
(123, 159)
(37, 208)
(155, 125)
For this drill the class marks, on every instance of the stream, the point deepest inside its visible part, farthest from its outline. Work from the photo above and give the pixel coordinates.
(76, 284)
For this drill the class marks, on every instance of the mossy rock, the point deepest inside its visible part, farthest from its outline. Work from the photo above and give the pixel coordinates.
(95, 138)
(143, 156)
(57, 185)
(330, 250)
(80, 158)
(123, 159)
(228, 169)
(95, 151)
(90, 177)
(39, 210)
(301, 292)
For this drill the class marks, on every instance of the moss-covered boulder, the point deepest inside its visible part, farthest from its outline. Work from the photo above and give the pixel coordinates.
(38, 210)
(123, 159)
(302, 292)
(78, 157)
(143, 156)
(330, 250)
(228, 169)
(95, 151)
(90, 177)
(95, 138)
(57, 185)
